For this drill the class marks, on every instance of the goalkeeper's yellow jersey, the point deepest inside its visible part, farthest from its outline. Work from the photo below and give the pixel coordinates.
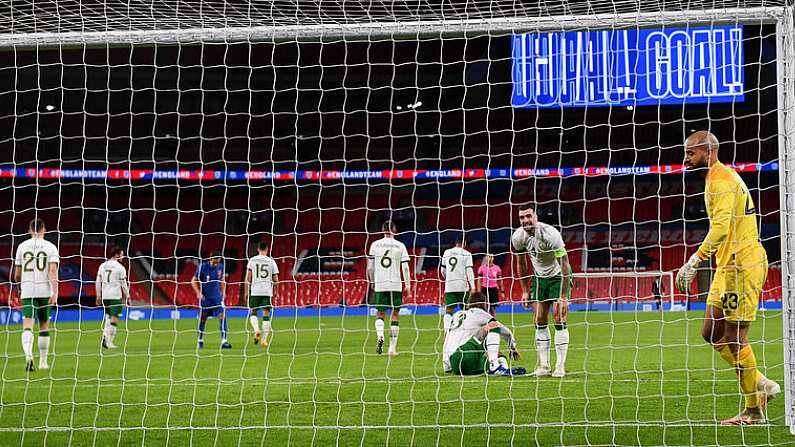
(733, 229)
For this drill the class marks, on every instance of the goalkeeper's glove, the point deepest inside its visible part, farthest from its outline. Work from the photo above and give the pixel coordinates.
(686, 274)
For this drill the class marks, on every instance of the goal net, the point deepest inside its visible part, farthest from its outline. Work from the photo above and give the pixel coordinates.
(193, 131)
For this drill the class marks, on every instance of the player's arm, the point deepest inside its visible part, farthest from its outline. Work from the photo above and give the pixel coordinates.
(98, 286)
(275, 279)
(196, 285)
(470, 271)
(125, 286)
(404, 266)
(521, 268)
(223, 285)
(443, 267)
(562, 308)
(53, 275)
(371, 267)
(505, 334)
(246, 284)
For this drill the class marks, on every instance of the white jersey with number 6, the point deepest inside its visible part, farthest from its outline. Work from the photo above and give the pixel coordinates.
(466, 323)
(387, 256)
(459, 275)
(111, 279)
(34, 257)
(262, 269)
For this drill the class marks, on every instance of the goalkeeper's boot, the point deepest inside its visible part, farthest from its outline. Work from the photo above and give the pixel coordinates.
(560, 371)
(226, 345)
(541, 371)
(746, 417)
(379, 346)
(767, 390)
(257, 337)
(500, 371)
(29, 365)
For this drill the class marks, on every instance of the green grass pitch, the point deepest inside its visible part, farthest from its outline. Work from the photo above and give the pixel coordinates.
(634, 379)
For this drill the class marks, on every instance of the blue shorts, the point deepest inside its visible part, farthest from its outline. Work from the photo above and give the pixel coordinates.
(212, 311)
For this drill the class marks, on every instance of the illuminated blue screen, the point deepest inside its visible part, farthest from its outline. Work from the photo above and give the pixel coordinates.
(628, 67)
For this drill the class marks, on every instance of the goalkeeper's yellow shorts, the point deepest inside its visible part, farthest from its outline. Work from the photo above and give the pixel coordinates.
(736, 287)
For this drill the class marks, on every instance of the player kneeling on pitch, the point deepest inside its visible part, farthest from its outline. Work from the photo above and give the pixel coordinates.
(472, 345)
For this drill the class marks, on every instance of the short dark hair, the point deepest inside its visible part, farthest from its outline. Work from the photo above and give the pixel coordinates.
(116, 250)
(264, 245)
(477, 299)
(527, 206)
(37, 225)
(214, 254)
(388, 225)
(460, 239)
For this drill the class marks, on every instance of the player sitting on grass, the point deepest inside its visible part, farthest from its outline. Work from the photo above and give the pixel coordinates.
(262, 278)
(464, 351)
(112, 292)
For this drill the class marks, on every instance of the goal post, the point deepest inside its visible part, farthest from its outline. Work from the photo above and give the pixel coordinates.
(328, 383)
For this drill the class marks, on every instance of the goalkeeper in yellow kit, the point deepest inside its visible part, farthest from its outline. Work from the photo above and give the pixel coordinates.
(741, 270)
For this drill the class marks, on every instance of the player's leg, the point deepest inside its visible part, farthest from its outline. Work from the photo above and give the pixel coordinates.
(204, 313)
(492, 342)
(222, 325)
(469, 359)
(561, 332)
(380, 313)
(27, 332)
(43, 315)
(266, 323)
(449, 309)
(394, 326)
(113, 309)
(254, 306)
(540, 299)
(493, 295)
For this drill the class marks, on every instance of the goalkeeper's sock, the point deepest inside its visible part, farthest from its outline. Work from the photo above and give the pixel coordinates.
(561, 345)
(394, 331)
(447, 320)
(44, 346)
(493, 348)
(111, 332)
(266, 326)
(749, 376)
(223, 326)
(725, 352)
(379, 328)
(542, 344)
(202, 323)
(27, 343)
(254, 322)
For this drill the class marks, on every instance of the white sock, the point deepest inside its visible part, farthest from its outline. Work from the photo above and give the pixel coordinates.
(266, 328)
(44, 348)
(394, 330)
(542, 345)
(493, 349)
(254, 322)
(561, 346)
(111, 333)
(27, 343)
(447, 320)
(106, 330)
(379, 328)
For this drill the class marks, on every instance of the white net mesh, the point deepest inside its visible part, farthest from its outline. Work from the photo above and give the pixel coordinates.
(178, 129)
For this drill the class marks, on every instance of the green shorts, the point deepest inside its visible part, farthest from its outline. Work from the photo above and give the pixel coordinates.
(469, 359)
(259, 302)
(388, 300)
(547, 289)
(455, 298)
(40, 307)
(113, 308)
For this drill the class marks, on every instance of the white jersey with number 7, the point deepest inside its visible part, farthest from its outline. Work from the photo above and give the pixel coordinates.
(387, 256)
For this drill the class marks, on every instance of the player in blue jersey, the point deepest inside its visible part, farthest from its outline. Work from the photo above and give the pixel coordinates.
(210, 288)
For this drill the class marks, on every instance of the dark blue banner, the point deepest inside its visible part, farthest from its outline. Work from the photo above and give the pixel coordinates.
(628, 67)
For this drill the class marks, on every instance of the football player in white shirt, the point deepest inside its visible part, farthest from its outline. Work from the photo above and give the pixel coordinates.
(459, 278)
(36, 269)
(464, 352)
(262, 281)
(551, 283)
(386, 260)
(113, 292)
